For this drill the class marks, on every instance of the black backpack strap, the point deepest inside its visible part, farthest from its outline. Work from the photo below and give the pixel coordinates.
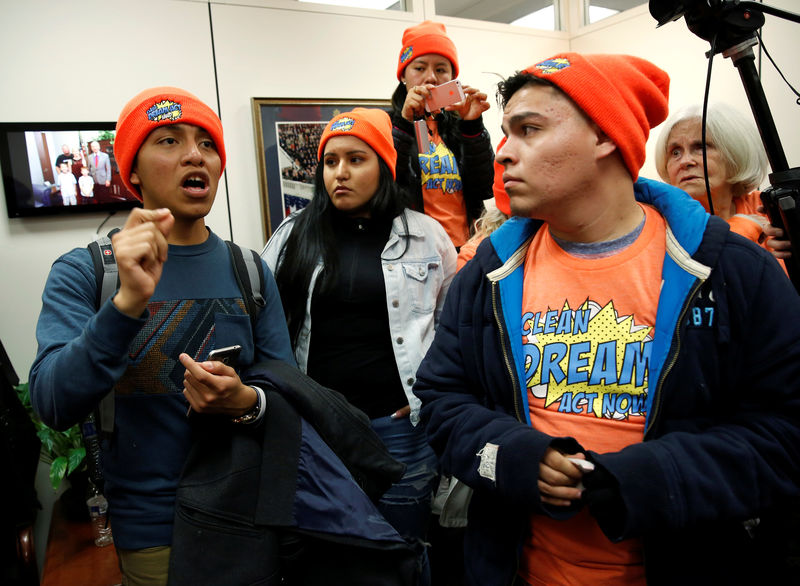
(106, 275)
(106, 272)
(249, 274)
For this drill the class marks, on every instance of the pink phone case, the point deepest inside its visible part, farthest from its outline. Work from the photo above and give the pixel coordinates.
(444, 95)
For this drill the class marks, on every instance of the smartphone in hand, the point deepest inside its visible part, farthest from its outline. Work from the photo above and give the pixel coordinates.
(228, 355)
(444, 95)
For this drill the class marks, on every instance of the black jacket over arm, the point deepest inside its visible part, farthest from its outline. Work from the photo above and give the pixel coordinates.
(288, 501)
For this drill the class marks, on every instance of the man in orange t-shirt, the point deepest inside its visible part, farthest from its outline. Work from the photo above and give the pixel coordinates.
(615, 375)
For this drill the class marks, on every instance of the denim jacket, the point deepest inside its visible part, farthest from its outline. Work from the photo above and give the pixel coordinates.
(416, 284)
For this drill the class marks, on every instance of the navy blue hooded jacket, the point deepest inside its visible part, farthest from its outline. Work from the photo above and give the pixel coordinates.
(721, 446)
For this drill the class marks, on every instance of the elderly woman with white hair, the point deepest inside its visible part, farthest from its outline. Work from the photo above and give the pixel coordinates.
(737, 166)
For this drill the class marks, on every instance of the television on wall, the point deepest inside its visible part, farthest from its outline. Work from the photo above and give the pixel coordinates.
(52, 168)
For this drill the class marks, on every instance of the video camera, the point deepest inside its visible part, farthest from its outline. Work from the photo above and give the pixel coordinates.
(730, 25)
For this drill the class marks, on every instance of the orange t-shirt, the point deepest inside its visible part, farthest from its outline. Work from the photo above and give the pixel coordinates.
(587, 329)
(467, 251)
(442, 193)
(749, 222)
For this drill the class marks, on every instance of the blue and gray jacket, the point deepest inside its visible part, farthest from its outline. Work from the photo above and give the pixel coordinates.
(722, 438)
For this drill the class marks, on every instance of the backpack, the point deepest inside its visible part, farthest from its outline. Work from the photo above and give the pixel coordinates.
(247, 269)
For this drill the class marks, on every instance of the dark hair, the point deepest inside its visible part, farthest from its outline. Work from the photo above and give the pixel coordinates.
(447, 121)
(511, 85)
(312, 238)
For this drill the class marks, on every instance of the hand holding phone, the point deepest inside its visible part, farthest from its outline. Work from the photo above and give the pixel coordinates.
(444, 95)
(584, 465)
(229, 356)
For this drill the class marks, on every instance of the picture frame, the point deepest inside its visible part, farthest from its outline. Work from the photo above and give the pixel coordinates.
(287, 132)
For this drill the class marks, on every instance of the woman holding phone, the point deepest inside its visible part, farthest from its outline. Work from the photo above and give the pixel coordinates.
(450, 178)
(371, 276)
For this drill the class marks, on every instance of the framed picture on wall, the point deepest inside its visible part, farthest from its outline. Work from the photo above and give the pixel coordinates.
(287, 137)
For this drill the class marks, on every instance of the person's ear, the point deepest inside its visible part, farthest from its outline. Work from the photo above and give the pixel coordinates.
(605, 146)
(134, 176)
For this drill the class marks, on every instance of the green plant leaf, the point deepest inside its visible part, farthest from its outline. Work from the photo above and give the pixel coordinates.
(75, 458)
(64, 450)
(58, 469)
(24, 395)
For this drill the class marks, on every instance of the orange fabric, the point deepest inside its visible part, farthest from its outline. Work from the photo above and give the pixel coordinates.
(423, 39)
(442, 193)
(501, 198)
(749, 222)
(156, 107)
(467, 251)
(371, 125)
(625, 96)
(590, 383)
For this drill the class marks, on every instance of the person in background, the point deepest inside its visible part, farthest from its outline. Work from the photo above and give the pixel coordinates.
(100, 169)
(78, 161)
(737, 167)
(177, 300)
(86, 185)
(64, 157)
(491, 219)
(615, 374)
(363, 280)
(67, 185)
(451, 179)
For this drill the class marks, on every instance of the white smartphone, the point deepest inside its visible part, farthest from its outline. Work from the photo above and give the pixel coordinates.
(584, 465)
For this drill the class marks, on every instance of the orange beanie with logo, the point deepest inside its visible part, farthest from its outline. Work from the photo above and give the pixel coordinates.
(426, 38)
(371, 125)
(625, 96)
(156, 107)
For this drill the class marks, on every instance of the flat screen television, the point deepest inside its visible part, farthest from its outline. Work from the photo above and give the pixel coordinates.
(61, 168)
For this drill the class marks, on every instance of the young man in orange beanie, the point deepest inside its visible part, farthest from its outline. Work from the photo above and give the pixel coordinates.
(615, 374)
(177, 300)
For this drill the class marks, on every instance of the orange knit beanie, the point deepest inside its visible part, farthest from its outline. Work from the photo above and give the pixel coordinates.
(625, 96)
(423, 39)
(501, 199)
(371, 125)
(156, 107)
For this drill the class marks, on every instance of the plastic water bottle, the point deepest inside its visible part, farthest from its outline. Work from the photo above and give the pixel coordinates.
(98, 511)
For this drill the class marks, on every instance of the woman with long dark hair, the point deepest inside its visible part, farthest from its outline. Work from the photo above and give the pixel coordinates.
(371, 276)
(450, 179)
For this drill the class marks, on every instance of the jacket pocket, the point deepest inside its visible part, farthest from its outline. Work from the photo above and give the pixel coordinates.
(423, 281)
(209, 548)
(231, 329)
